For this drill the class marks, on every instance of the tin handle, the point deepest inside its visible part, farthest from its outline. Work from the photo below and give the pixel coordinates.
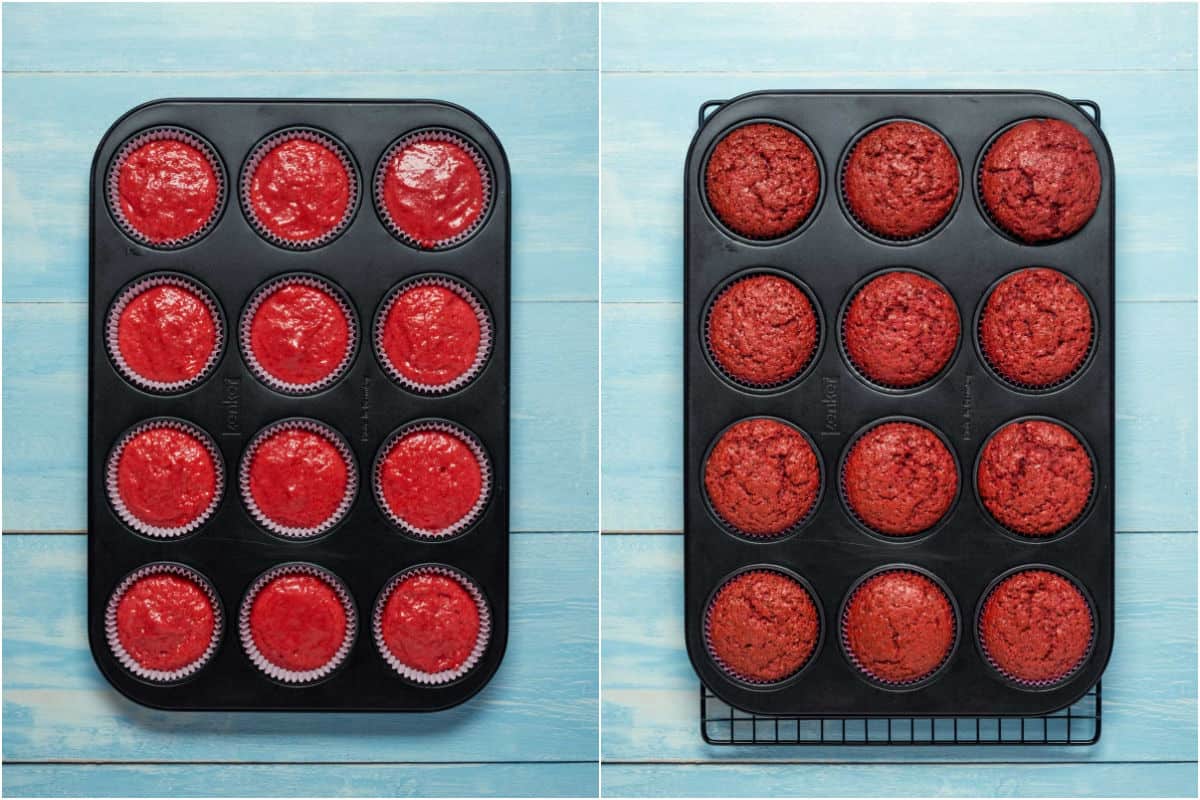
(704, 109)
(1089, 107)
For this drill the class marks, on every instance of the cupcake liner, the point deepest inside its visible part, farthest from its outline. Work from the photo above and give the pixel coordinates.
(312, 426)
(297, 677)
(485, 468)
(481, 641)
(113, 490)
(114, 639)
(486, 334)
(112, 329)
(260, 152)
(113, 188)
(434, 135)
(259, 297)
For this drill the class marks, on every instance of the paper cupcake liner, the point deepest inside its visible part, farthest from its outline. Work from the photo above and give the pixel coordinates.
(260, 152)
(113, 187)
(114, 639)
(481, 641)
(862, 668)
(334, 438)
(721, 663)
(433, 135)
(259, 297)
(297, 677)
(113, 490)
(1021, 683)
(112, 331)
(486, 334)
(485, 468)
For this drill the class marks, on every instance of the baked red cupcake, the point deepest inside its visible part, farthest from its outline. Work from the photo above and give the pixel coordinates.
(299, 189)
(165, 478)
(164, 333)
(433, 335)
(1036, 327)
(297, 623)
(899, 627)
(762, 330)
(163, 622)
(762, 477)
(1035, 477)
(298, 335)
(433, 189)
(900, 180)
(1036, 627)
(432, 624)
(762, 627)
(298, 478)
(432, 479)
(1040, 180)
(165, 187)
(899, 478)
(900, 329)
(762, 180)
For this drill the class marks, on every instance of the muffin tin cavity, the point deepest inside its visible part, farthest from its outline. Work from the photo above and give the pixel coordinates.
(915, 357)
(238, 404)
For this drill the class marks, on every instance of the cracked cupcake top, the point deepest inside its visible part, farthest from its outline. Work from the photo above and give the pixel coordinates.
(763, 626)
(1036, 626)
(762, 180)
(762, 330)
(899, 627)
(900, 478)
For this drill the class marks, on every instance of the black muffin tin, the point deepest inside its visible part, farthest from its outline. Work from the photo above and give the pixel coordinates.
(365, 550)
(830, 254)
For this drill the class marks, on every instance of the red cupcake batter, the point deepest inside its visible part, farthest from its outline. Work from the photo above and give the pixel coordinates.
(1036, 626)
(298, 478)
(431, 479)
(430, 623)
(166, 477)
(300, 190)
(166, 334)
(763, 626)
(299, 334)
(165, 622)
(431, 335)
(167, 190)
(900, 478)
(762, 477)
(298, 622)
(899, 626)
(762, 330)
(433, 191)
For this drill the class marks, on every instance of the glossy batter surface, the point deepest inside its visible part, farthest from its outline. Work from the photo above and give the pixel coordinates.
(430, 623)
(900, 478)
(298, 622)
(431, 335)
(298, 478)
(762, 330)
(431, 479)
(433, 191)
(165, 622)
(166, 477)
(762, 180)
(1036, 626)
(300, 190)
(167, 190)
(166, 334)
(899, 626)
(763, 625)
(299, 334)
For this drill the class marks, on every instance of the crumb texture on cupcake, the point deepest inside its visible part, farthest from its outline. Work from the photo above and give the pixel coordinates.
(762, 626)
(431, 335)
(1035, 477)
(900, 478)
(1036, 327)
(1040, 180)
(901, 180)
(901, 329)
(762, 180)
(762, 477)
(166, 477)
(433, 191)
(167, 190)
(165, 622)
(1036, 627)
(299, 334)
(166, 334)
(430, 479)
(298, 478)
(899, 627)
(298, 622)
(762, 330)
(430, 623)
(300, 190)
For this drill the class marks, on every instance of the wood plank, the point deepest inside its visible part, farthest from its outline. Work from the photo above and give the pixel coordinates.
(642, 403)
(541, 705)
(651, 698)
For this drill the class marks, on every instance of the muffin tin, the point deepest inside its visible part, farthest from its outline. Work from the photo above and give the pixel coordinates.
(830, 255)
(364, 549)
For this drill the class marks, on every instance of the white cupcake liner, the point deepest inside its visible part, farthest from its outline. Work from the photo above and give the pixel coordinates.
(485, 469)
(433, 135)
(297, 677)
(114, 639)
(334, 438)
(112, 184)
(112, 475)
(247, 321)
(112, 332)
(260, 152)
(486, 334)
(481, 641)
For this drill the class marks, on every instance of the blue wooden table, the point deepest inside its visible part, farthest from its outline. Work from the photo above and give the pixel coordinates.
(657, 65)
(69, 72)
